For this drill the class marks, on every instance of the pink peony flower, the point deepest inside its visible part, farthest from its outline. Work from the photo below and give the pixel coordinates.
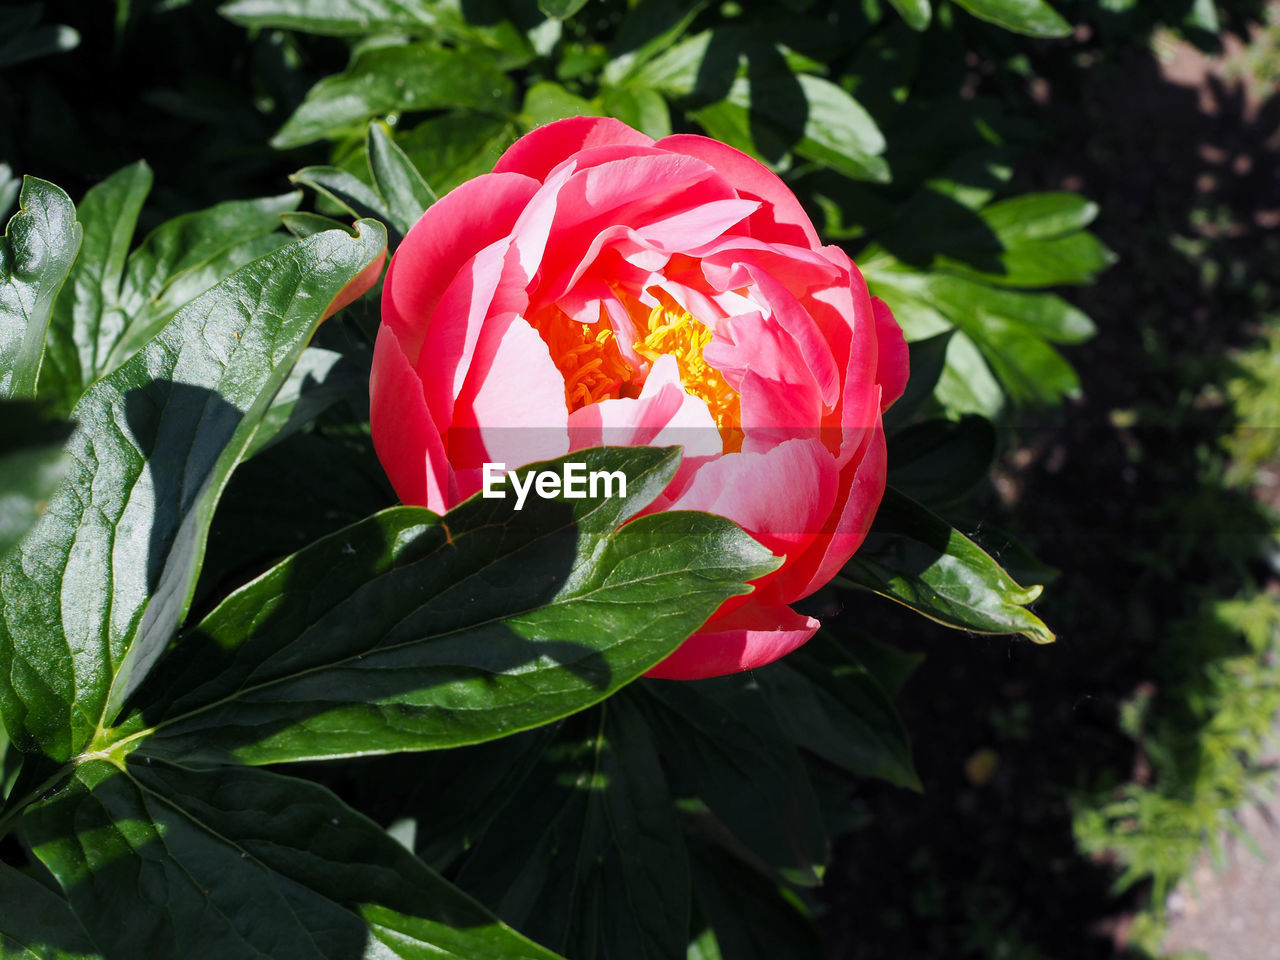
(601, 288)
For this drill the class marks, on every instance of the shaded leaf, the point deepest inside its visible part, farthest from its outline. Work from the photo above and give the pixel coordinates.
(723, 745)
(835, 708)
(396, 79)
(589, 857)
(96, 590)
(36, 923)
(420, 632)
(86, 322)
(250, 864)
(31, 467)
(649, 29)
(919, 560)
(967, 384)
(928, 358)
(22, 38)
(36, 253)
(746, 916)
(9, 187)
(938, 462)
(807, 114)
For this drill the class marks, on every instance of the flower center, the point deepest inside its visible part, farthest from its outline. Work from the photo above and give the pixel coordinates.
(588, 357)
(674, 331)
(586, 354)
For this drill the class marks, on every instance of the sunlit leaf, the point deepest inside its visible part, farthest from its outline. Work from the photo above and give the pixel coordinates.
(95, 591)
(424, 632)
(248, 862)
(36, 254)
(919, 560)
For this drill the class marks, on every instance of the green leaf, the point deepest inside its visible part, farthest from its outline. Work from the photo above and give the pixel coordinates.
(482, 780)
(249, 864)
(938, 462)
(675, 70)
(561, 9)
(638, 107)
(1039, 216)
(971, 305)
(649, 29)
(424, 632)
(1010, 327)
(1032, 17)
(185, 256)
(86, 322)
(343, 18)
(457, 146)
(835, 708)
(303, 225)
(396, 79)
(588, 858)
(967, 384)
(113, 306)
(747, 916)
(916, 13)
(396, 179)
(319, 379)
(723, 745)
(810, 115)
(95, 591)
(928, 358)
(36, 923)
(31, 467)
(36, 254)
(23, 39)
(547, 102)
(9, 187)
(919, 560)
(347, 190)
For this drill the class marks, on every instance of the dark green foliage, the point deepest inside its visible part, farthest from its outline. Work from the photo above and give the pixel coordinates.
(202, 572)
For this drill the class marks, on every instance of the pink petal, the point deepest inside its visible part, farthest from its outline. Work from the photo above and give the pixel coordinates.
(404, 435)
(861, 490)
(634, 191)
(781, 219)
(511, 408)
(782, 497)
(775, 411)
(450, 233)
(892, 367)
(750, 636)
(537, 152)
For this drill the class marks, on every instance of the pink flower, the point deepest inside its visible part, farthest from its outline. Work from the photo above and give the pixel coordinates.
(599, 287)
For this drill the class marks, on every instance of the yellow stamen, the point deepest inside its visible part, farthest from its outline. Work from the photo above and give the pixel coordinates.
(670, 330)
(588, 357)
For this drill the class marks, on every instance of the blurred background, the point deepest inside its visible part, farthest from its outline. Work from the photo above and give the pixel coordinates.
(1072, 208)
